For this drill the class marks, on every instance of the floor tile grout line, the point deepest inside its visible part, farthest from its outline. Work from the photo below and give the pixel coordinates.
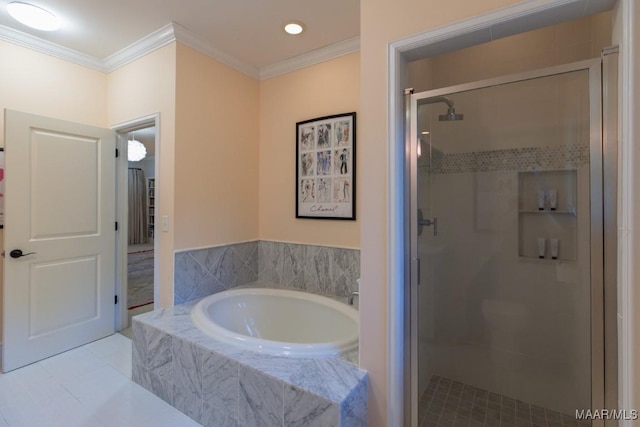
(455, 417)
(522, 411)
(446, 399)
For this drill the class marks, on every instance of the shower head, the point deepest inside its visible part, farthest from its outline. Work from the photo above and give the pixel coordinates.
(451, 116)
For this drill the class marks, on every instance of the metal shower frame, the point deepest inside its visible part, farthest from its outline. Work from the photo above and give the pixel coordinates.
(602, 216)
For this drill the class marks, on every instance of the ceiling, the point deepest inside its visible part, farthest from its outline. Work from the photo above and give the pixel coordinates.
(247, 30)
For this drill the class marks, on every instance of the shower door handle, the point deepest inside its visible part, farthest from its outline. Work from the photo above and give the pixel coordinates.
(427, 223)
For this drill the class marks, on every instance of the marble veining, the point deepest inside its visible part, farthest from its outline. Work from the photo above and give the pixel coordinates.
(354, 411)
(159, 355)
(319, 269)
(187, 402)
(303, 409)
(220, 402)
(203, 272)
(218, 384)
(261, 399)
(187, 369)
(338, 378)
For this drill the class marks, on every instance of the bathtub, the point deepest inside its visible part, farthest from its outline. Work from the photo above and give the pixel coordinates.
(279, 322)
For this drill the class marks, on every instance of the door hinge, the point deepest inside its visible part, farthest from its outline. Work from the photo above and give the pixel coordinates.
(115, 301)
(117, 153)
(116, 225)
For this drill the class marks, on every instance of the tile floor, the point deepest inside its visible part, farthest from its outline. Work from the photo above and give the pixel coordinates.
(89, 386)
(450, 403)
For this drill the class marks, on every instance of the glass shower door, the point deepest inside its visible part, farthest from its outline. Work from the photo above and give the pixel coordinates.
(507, 191)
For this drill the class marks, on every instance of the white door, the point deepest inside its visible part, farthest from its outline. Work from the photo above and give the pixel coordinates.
(60, 212)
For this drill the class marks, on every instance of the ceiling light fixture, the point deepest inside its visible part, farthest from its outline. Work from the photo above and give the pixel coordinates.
(293, 27)
(136, 151)
(33, 16)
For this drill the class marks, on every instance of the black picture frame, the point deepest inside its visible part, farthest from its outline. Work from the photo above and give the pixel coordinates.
(325, 167)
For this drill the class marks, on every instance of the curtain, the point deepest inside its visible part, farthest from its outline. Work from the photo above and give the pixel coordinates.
(138, 215)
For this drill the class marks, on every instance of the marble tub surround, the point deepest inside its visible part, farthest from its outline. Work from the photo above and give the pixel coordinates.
(319, 269)
(218, 384)
(323, 270)
(202, 272)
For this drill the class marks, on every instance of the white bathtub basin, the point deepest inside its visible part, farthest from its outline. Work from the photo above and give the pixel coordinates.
(279, 321)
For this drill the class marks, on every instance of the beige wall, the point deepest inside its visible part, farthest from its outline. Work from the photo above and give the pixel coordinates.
(216, 152)
(328, 88)
(555, 45)
(383, 22)
(143, 87)
(41, 84)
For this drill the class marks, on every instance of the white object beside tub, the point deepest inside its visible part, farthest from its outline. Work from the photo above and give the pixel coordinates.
(279, 322)
(541, 247)
(554, 248)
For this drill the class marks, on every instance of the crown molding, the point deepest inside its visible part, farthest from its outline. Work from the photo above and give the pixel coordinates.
(174, 32)
(317, 56)
(198, 43)
(35, 43)
(140, 48)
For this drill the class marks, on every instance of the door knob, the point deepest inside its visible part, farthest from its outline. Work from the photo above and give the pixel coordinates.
(17, 253)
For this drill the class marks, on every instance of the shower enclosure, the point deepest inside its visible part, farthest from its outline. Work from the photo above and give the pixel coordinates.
(506, 226)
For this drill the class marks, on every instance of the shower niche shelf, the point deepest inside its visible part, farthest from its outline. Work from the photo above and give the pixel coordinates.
(560, 223)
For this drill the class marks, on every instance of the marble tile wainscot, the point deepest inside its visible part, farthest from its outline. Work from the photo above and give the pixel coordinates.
(322, 270)
(218, 384)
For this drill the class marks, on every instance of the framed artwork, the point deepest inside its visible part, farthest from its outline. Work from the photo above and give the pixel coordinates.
(325, 167)
(1, 187)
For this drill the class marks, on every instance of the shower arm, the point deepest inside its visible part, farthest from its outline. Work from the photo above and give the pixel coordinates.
(436, 99)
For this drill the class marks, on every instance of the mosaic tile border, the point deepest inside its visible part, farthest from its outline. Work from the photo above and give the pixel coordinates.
(516, 159)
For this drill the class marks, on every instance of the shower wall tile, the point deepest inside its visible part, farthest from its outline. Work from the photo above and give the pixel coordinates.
(319, 269)
(516, 159)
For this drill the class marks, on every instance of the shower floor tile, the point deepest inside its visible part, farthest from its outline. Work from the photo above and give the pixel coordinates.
(454, 404)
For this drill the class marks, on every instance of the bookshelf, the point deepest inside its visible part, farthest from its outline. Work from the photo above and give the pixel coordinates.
(151, 185)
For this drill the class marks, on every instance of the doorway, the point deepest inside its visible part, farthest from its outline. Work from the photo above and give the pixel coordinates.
(141, 220)
(137, 203)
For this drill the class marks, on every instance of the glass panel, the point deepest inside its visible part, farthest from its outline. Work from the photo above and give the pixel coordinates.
(505, 298)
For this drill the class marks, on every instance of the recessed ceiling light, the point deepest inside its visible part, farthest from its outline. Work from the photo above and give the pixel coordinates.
(293, 27)
(33, 16)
